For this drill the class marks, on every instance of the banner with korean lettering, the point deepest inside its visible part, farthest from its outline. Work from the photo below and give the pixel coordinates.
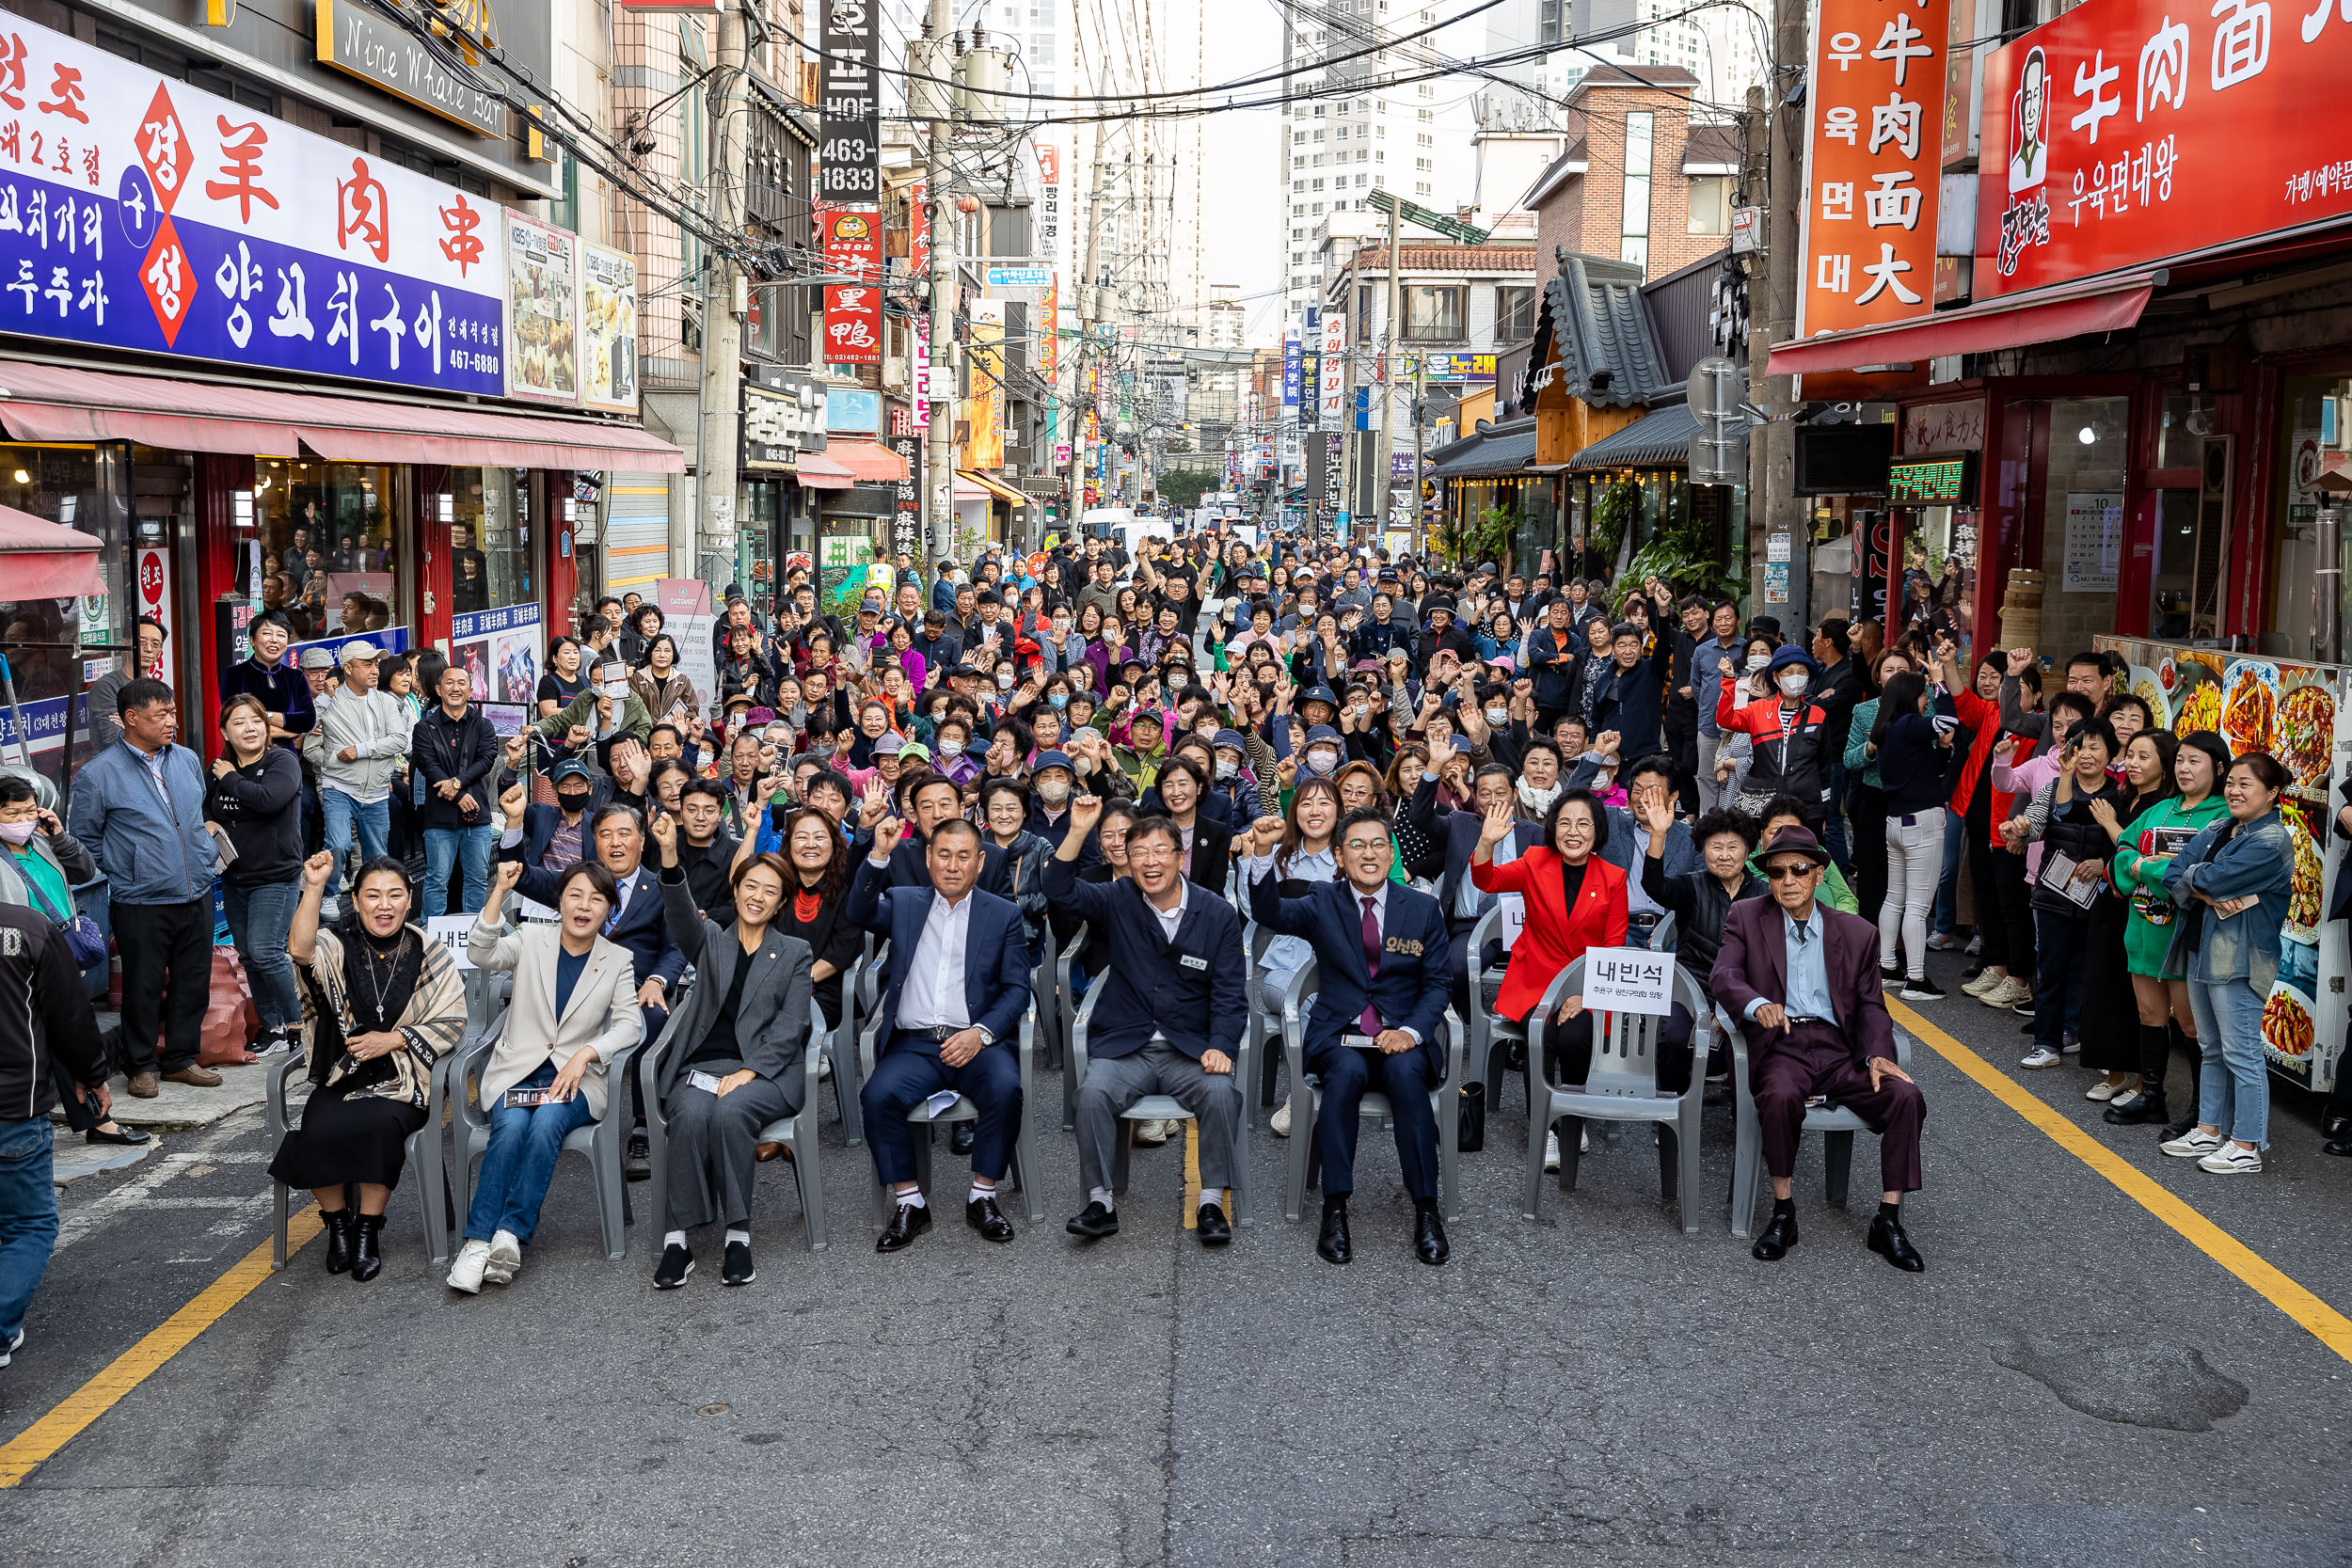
(140, 213)
(849, 108)
(542, 312)
(2128, 131)
(853, 329)
(984, 408)
(1873, 147)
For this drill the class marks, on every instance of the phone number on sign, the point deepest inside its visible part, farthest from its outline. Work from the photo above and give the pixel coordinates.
(480, 364)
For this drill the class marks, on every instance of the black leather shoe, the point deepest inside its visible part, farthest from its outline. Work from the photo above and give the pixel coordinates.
(1429, 1242)
(983, 1215)
(2336, 1124)
(366, 1262)
(911, 1221)
(1212, 1227)
(1094, 1222)
(122, 1134)
(1888, 1241)
(738, 1268)
(2143, 1109)
(1777, 1239)
(1333, 1243)
(336, 1228)
(676, 1263)
(2341, 1147)
(960, 1138)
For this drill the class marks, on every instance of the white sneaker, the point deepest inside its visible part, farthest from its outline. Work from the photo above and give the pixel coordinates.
(2233, 1159)
(466, 1273)
(1939, 942)
(1551, 1154)
(2041, 1056)
(1151, 1135)
(2195, 1144)
(506, 1256)
(1584, 1141)
(1985, 982)
(824, 1068)
(1974, 947)
(1279, 1123)
(2010, 992)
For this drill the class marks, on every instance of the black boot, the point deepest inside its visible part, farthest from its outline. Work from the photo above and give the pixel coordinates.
(337, 1227)
(366, 1263)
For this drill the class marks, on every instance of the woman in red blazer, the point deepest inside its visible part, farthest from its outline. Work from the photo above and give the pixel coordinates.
(1575, 899)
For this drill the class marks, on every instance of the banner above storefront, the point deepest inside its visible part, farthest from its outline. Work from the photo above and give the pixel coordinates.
(2130, 131)
(138, 213)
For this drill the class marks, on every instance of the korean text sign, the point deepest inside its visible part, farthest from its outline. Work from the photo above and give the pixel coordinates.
(853, 312)
(2129, 130)
(849, 168)
(141, 214)
(1873, 142)
(1629, 980)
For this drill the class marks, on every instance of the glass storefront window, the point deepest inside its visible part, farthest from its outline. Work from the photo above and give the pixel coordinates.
(325, 531)
(489, 539)
(2311, 434)
(2082, 520)
(55, 647)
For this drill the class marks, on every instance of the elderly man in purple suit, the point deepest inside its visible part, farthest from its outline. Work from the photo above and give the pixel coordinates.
(1803, 980)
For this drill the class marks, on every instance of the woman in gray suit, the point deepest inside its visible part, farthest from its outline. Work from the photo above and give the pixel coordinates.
(730, 1061)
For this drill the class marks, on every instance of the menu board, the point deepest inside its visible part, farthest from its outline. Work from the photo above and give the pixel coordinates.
(542, 313)
(607, 328)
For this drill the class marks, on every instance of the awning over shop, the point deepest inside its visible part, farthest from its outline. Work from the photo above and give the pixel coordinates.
(817, 471)
(1495, 453)
(967, 491)
(999, 491)
(2042, 316)
(60, 402)
(1661, 438)
(868, 462)
(40, 560)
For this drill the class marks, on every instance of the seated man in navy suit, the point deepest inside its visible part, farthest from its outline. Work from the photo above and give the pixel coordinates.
(1171, 1013)
(1379, 1009)
(1803, 981)
(959, 982)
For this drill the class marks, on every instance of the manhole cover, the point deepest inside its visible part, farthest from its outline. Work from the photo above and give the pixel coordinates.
(2143, 1385)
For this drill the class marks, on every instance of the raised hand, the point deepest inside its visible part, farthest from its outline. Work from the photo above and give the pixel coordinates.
(1085, 812)
(1266, 832)
(1494, 825)
(2020, 661)
(663, 828)
(886, 835)
(511, 804)
(317, 870)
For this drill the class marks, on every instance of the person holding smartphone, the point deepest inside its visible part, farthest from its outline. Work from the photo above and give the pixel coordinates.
(252, 808)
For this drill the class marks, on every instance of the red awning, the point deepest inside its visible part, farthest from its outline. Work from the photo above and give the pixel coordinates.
(2044, 316)
(869, 462)
(60, 403)
(46, 560)
(815, 472)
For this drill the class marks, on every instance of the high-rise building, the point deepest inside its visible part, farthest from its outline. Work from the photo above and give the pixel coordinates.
(1724, 46)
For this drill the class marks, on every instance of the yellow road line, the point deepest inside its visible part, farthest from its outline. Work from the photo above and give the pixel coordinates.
(38, 1443)
(2324, 1322)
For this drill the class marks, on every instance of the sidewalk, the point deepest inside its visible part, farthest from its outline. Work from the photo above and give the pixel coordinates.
(176, 1108)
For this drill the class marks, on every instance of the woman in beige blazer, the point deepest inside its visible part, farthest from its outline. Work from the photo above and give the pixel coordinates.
(574, 1009)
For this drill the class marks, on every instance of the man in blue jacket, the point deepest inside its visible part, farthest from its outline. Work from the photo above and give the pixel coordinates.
(1171, 1016)
(1379, 1013)
(139, 807)
(959, 983)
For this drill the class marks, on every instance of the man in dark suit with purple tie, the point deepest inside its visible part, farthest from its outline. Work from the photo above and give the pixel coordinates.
(1803, 981)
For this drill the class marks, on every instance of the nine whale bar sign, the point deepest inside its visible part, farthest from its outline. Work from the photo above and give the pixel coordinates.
(354, 37)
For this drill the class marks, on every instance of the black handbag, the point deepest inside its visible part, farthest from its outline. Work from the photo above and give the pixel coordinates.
(1472, 1134)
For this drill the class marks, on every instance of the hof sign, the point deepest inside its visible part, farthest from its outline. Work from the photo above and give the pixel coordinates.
(849, 106)
(1629, 980)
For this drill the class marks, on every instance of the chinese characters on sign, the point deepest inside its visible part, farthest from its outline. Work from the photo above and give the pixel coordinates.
(1873, 142)
(849, 107)
(2129, 130)
(177, 223)
(854, 313)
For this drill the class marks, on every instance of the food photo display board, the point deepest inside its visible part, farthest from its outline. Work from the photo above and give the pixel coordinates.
(2302, 714)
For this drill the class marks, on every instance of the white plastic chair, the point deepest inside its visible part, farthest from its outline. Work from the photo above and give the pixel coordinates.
(797, 1132)
(1161, 1107)
(1622, 1085)
(1836, 1124)
(1307, 1096)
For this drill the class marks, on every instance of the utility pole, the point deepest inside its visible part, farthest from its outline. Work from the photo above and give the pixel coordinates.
(1774, 509)
(1421, 393)
(719, 398)
(1090, 323)
(939, 434)
(1382, 463)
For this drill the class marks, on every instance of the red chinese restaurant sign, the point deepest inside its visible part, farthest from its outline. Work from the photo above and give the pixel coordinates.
(2130, 131)
(853, 315)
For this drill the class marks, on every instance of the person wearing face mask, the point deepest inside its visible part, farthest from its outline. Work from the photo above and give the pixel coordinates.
(1791, 738)
(555, 836)
(1233, 780)
(601, 715)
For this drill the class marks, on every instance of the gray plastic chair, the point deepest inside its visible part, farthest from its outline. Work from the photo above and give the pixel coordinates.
(797, 1132)
(1024, 1142)
(423, 1151)
(1261, 1025)
(1161, 1107)
(1307, 1096)
(1836, 1124)
(1066, 1006)
(1621, 1086)
(1043, 976)
(600, 1143)
(1661, 940)
(841, 1049)
(1488, 1032)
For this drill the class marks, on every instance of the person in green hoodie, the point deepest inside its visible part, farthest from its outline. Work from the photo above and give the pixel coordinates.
(2143, 852)
(1786, 811)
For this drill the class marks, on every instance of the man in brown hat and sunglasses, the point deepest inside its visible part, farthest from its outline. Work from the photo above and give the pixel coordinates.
(1803, 980)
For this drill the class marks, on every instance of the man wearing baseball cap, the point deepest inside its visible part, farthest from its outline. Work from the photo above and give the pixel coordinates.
(360, 740)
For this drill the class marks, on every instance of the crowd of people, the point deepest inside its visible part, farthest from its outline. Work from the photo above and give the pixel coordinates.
(1357, 757)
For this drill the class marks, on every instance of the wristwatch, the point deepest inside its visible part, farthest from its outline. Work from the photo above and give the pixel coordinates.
(987, 1036)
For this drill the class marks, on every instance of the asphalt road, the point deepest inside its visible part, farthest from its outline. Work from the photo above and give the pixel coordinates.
(2073, 1381)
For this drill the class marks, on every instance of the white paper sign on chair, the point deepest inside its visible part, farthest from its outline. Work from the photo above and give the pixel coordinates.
(450, 931)
(1514, 909)
(1629, 980)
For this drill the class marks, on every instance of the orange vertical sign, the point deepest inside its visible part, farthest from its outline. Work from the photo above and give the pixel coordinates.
(1873, 150)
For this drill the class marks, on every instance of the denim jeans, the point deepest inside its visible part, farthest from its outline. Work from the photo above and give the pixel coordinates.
(2233, 1081)
(373, 820)
(442, 846)
(521, 1161)
(1834, 839)
(1946, 912)
(258, 919)
(28, 1218)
